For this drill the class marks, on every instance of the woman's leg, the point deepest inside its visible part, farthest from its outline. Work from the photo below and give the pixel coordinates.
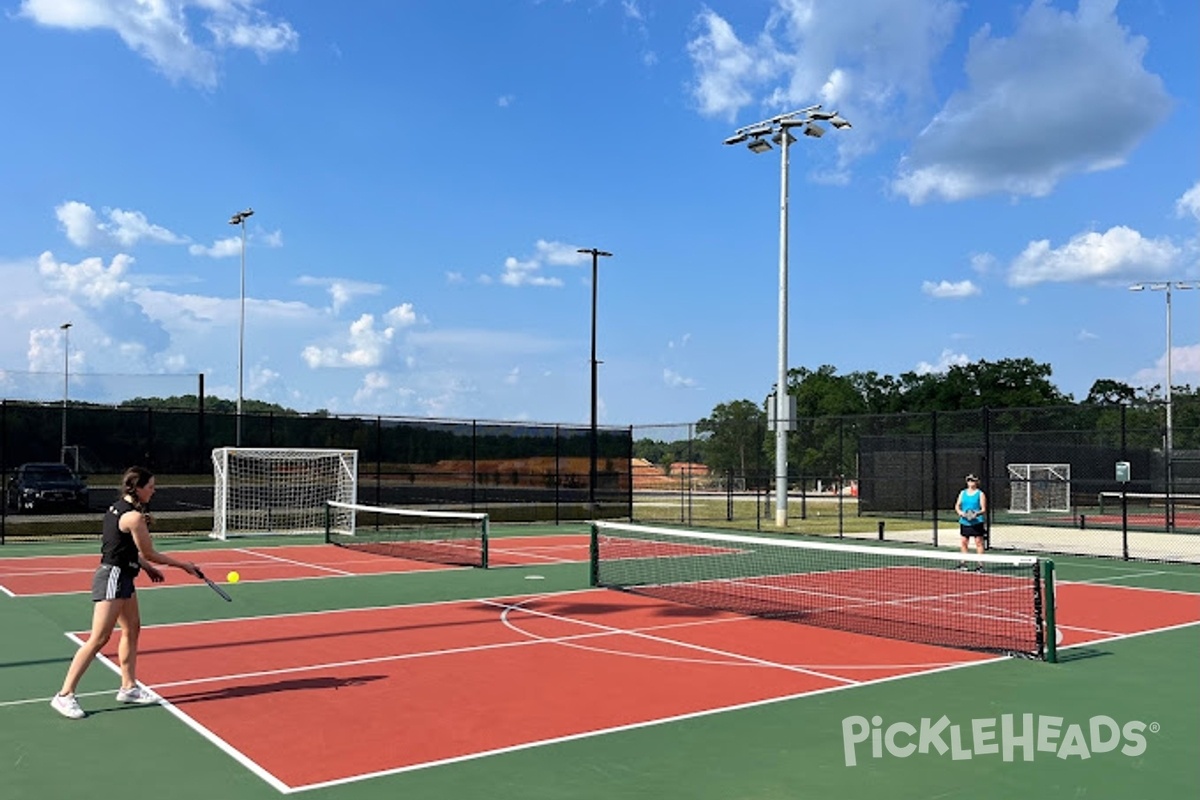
(131, 628)
(104, 617)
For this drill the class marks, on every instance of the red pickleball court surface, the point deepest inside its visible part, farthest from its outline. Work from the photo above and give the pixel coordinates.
(385, 690)
(308, 700)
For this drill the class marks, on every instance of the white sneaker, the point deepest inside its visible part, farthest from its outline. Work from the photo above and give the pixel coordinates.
(136, 696)
(67, 705)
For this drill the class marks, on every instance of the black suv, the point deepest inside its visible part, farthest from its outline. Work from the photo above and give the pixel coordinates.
(45, 485)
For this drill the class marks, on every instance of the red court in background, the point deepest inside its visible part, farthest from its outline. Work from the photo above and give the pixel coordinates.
(36, 575)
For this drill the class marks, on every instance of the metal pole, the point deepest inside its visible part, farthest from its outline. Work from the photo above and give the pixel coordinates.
(593, 439)
(782, 403)
(240, 219)
(66, 329)
(593, 443)
(241, 335)
(755, 135)
(1170, 389)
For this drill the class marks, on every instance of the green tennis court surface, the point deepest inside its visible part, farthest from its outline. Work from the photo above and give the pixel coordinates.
(522, 681)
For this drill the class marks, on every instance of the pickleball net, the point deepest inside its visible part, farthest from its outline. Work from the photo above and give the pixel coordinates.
(992, 603)
(443, 537)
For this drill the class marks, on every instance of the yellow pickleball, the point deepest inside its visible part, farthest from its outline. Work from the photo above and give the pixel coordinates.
(233, 577)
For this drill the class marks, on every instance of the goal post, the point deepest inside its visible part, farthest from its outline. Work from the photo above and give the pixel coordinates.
(261, 490)
(1039, 487)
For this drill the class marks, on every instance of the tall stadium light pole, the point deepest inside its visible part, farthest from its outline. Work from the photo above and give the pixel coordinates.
(592, 440)
(66, 329)
(778, 130)
(240, 219)
(1165, 287)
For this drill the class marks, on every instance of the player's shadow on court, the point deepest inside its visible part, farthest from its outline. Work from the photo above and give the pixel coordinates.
(274, 687)
(1080, 653)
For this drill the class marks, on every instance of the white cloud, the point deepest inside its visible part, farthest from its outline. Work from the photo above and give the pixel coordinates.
(870, 59)
(559, 254)
(726, 68)
(221, 248)
(525, 273)
(505, 100)
(342, 292)
(1039, 107)
(945, 361)
(84, 228)
(528, 272)
(676, 381)
(164, 32)
(947, 290)
(1189, 204)
(1086, 335)
(89, 280)
(365, 347)
(79, 222)
(373, 385)
(1119, 253)
(402, 316)
(983, 263)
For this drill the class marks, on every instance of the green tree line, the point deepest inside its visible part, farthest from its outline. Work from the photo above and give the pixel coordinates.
(734, 436)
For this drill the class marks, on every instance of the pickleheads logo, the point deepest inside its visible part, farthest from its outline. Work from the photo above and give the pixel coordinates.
(1004, 736)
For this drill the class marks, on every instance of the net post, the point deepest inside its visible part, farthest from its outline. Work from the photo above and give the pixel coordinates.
(328, 520)
(483, 542)
(594, 556)
(1048, 599)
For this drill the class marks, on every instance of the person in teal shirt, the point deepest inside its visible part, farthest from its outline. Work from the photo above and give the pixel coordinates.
(971, 508)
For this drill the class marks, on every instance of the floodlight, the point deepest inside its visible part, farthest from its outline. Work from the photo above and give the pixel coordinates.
(814, 130)
(839, 122)
(759, 145)
(757, 130)
(778, 138)
(822, 115)
(737, 138)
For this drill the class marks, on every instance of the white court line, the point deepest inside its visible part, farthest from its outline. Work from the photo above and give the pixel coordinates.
(292, 561)
(737, 657)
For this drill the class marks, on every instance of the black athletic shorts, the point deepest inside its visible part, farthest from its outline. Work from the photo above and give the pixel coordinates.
(113, 583)
(974, 529)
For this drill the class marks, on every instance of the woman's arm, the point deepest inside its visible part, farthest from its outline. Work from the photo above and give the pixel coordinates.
(135, 523)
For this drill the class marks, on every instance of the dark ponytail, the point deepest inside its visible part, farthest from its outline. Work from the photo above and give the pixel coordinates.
(133, 479)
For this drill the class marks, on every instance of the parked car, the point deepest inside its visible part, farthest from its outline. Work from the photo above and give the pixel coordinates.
(47, 485)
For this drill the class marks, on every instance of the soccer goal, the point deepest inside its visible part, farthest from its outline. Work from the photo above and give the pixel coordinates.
(280, 490)
(1039, 487)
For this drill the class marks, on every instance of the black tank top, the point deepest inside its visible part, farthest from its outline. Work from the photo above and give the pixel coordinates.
(117, 547)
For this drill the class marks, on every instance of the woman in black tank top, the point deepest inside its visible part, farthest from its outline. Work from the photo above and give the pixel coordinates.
(126, 548)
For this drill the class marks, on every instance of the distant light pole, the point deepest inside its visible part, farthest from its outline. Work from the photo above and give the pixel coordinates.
(593, 444)
(66, 329)
(1165, 286)
(778, 130)
(240, 219)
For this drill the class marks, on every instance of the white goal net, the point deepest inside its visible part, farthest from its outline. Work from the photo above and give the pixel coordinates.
(1039, 487)
(277, 490)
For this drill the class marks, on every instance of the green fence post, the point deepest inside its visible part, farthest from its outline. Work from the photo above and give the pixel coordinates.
(1048, 598)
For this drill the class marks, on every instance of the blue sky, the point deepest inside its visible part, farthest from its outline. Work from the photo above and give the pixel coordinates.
(423, 172)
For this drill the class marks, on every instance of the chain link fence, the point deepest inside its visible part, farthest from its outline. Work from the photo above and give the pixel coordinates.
(517, 472)
(1051, 476)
